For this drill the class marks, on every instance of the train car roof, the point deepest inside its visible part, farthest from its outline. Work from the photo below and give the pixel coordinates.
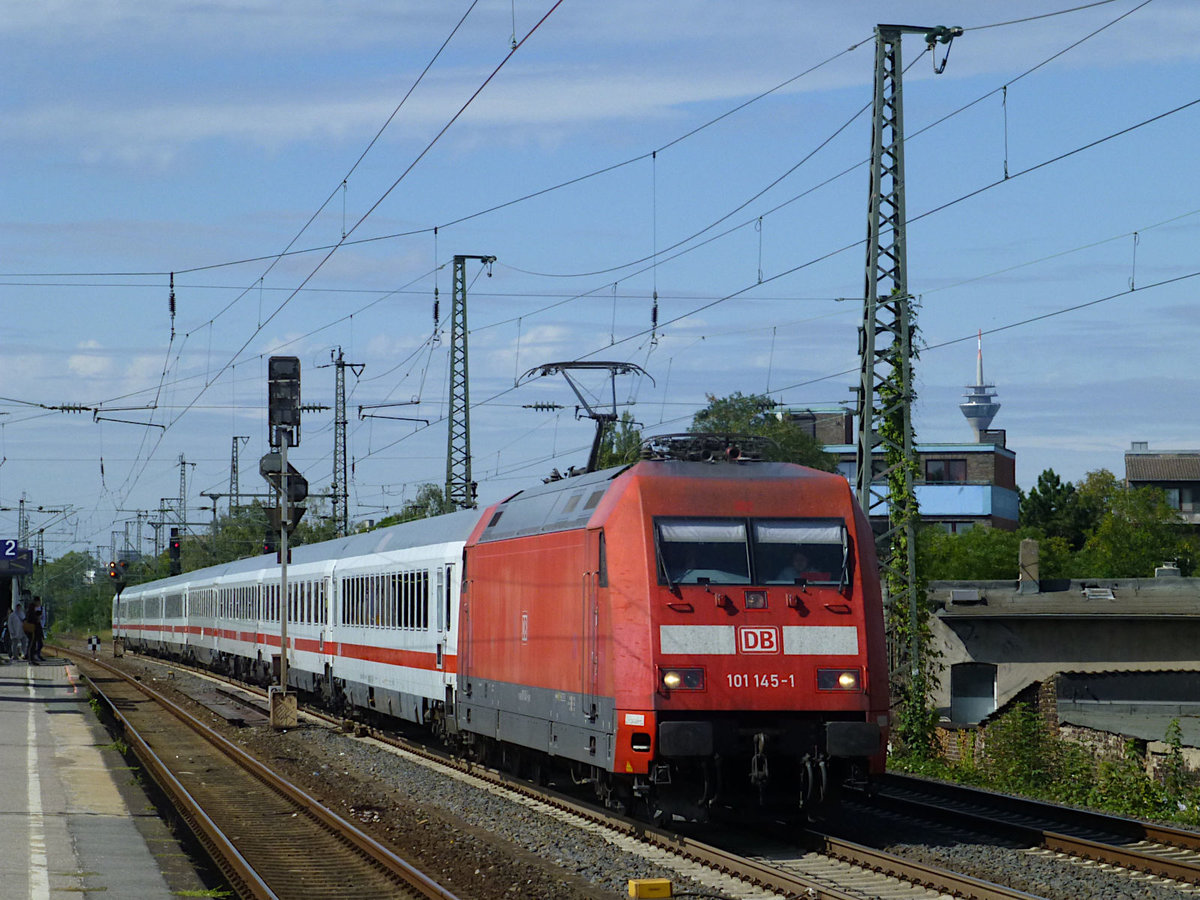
(456, 526)
(555, 506)
(569, 503)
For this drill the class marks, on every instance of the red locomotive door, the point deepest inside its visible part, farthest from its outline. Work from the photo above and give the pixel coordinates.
(589, 655)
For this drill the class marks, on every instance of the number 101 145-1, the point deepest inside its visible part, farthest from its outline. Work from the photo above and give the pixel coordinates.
(744, 680)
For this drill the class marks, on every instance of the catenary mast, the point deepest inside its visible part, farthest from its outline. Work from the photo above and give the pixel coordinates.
(885, 390)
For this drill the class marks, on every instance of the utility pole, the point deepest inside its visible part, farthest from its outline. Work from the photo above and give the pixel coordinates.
(213, 496)
(341, 482)
(183, 464)
(885, 389)
(234, 493)
(163, 507)
(460, 489)
(142, 516)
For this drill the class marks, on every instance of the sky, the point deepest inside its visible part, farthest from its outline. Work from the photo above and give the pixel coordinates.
(307, 171)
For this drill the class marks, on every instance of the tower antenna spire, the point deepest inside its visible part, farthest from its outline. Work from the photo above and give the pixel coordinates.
(980, 406)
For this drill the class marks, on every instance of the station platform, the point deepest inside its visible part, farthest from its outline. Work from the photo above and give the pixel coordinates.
(74, 818)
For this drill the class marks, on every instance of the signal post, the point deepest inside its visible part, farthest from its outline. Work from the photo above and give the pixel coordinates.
(283, 406)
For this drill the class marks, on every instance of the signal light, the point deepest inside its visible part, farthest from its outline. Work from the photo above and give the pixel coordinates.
(117, 572)
(174, 548)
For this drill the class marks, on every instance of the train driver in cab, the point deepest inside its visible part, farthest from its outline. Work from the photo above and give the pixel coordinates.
(799, 570)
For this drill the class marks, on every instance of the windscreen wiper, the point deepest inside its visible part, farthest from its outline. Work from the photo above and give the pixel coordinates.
(662, 563)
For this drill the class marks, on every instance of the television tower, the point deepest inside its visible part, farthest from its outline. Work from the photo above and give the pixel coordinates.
(980, 406)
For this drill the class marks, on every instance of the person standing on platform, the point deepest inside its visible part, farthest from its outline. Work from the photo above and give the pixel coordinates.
(37, 637)
(16, 632)
(5, 641)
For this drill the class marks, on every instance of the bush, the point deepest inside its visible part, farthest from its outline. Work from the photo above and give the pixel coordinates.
(1023, 756)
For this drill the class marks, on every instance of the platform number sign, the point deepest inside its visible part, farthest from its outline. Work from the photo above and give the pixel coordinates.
(15, 559)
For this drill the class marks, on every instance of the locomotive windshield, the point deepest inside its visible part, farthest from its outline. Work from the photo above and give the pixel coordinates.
(712, 549)
(778, 551)
(787, 551)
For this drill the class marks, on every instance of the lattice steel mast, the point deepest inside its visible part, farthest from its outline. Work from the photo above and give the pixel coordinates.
(340, 490)
(235, 497)
(885, 390)
(460, 490)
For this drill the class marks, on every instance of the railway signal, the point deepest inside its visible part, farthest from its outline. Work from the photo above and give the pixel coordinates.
(174, 547)
(283, 399)
(283, 410)
(118, 571)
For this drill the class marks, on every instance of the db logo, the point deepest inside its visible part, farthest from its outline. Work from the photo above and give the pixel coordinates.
(758, 640)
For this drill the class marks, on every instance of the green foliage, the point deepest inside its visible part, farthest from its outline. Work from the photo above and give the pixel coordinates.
(1021, 752)
(1175, 775)
(1096, 528)
(430, 501)
(1022, 755)
(754, 414)
(916, 664)
(1136, 532)
(620, 444)
(987, 554)
(75, 590)
(1057, 510)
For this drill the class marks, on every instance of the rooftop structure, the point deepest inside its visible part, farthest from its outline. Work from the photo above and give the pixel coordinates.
(958, 485)
(1176, 472)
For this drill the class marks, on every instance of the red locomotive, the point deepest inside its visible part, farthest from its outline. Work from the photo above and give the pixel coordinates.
(683, 634)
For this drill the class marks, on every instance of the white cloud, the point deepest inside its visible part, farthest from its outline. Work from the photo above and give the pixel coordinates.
(92, 361)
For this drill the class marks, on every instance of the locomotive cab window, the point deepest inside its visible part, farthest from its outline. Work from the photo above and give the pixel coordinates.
(793, 551)
(695, 551)
(754, 551)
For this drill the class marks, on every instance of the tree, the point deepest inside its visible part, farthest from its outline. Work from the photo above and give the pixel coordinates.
(76, 591)
(1057, 509)
(1095, 528)
(620, 444)
(987, 554)
(430, 501)
(755, 414)
(1137, 532)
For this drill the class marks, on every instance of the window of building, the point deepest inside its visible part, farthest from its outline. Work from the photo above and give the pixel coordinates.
(945, 471)
(1184, 499)
(955, 527)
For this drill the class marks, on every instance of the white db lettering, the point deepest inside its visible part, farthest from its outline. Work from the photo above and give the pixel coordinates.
(758, 640)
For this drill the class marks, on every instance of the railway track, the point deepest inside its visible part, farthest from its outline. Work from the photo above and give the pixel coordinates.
(1114, 842)
(269, 838)
(816, 866)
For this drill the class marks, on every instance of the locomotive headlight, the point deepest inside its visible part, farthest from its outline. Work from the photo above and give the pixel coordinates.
(839, 680)
(682, 679)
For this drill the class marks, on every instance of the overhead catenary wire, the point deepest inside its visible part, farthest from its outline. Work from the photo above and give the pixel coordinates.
(237, 354)
(197, 406)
